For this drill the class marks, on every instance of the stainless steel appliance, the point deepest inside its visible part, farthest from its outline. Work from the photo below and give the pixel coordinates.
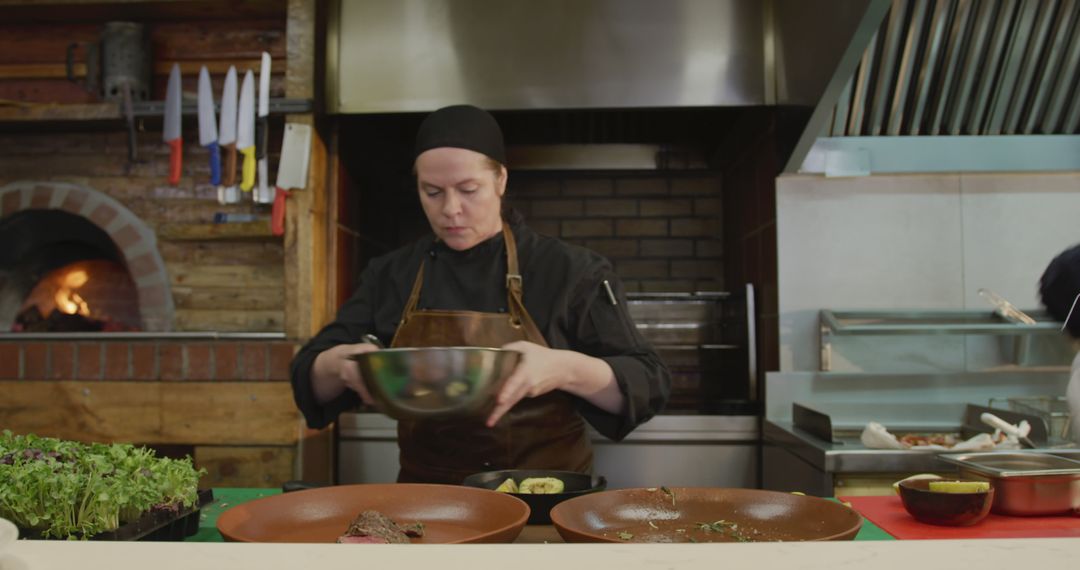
(798, 457)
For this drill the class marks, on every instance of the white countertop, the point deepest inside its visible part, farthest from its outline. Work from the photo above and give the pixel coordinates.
(1013, 554)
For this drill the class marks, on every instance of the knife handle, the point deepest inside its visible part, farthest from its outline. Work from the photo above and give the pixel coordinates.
(277, 212)
(265, 195)
(247, 178)
(176, 159)
(230, 164)
(262, 136)
(215, 163)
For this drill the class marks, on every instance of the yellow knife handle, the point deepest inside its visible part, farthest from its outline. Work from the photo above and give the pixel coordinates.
(247, 180)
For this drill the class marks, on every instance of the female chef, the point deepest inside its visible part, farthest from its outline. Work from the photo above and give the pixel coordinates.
(483, 278)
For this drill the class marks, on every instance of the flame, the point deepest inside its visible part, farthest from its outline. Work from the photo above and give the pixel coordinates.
(67, 300)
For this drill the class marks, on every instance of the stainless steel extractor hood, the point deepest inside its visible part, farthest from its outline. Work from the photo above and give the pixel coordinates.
(418, 55)
(387, 56)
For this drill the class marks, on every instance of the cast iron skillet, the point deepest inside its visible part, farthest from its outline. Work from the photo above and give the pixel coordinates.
(576, 484)
(451, 514)
(681, 514)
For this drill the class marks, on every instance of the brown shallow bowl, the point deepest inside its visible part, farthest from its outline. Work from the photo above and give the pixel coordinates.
(946, 509)
(575, 484)
(682, 515)
(451, 514)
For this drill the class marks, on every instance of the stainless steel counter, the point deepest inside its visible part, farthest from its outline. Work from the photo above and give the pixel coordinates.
(690, 451)
(796, 460)
(848, 455)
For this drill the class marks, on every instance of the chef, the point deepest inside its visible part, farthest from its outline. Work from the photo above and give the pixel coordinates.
(1059, 289)
(484, 278)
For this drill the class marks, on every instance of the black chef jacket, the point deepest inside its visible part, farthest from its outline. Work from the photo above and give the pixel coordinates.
(563, 291)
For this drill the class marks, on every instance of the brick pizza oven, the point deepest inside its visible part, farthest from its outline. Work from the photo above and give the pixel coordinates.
(53, 225)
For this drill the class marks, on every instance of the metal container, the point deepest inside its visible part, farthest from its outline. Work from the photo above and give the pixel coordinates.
(125, 61)
(413, 383)
(1025, 483)
(1054, 410)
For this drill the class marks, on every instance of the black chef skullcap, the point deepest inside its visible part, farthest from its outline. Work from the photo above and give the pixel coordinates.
(461, 126)
(1059, 286)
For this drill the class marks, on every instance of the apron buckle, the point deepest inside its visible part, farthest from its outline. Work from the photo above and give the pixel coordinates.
(513, 277)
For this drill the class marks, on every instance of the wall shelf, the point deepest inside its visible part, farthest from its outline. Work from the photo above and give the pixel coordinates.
(1038, 344)
(15, 112)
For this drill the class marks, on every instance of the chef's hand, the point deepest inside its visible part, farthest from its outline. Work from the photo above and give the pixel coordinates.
(542, 369)
(334, 371)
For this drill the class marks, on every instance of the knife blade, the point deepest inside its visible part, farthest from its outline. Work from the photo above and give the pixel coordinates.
(227, 138)
(245, 133)
(265, 193)
(292, 171)
(171, 132)
(208, 134)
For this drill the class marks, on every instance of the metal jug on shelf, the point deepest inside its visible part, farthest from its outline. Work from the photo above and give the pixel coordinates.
(118, 62)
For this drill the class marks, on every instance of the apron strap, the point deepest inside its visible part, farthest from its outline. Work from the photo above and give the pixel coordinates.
(519, 316)
(513, 275)
(414, 297)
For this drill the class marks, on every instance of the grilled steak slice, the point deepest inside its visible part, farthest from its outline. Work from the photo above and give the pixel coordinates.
(373, 527)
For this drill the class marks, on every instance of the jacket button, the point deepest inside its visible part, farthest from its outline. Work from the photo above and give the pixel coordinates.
(487, 464)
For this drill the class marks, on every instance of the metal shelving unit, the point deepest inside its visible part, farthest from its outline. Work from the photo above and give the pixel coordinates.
(836, 323)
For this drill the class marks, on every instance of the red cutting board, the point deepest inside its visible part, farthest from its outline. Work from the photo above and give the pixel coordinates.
(889, 514)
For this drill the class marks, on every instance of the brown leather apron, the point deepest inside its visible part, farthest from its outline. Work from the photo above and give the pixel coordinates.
(545, 432)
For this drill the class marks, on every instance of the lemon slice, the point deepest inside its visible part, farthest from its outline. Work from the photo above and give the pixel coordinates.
(541, 486)
(896, 485)
(959, 486)
(508, 486)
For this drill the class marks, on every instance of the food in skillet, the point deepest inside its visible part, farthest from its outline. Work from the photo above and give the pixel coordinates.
(373, 527)
(541, 486)
(533, 486)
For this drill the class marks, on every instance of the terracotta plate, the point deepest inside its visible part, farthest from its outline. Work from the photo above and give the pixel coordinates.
(683, 514)
(450, 514)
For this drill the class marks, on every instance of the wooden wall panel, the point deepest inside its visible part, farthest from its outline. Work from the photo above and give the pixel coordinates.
(230, 466)
(229, 321)
(33, 44)
(198, 413)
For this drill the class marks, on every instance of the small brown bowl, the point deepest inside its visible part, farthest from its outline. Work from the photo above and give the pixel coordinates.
(946, 509)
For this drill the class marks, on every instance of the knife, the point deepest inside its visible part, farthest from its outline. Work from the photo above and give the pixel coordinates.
(292, 171)
(208, 135)
(171, 133)
(265, 194)
(245, 134)
(227, 138)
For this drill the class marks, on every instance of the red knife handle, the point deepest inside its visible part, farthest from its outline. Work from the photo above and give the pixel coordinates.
(230, 165)
(176, 159)
(277, 212)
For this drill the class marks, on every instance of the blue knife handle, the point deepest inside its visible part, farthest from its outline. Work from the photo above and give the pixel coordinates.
(215, 163)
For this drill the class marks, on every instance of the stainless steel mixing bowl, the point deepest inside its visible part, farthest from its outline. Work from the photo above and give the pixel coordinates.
(415, 383)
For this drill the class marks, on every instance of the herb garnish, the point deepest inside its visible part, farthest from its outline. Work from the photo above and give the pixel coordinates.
(66, 489)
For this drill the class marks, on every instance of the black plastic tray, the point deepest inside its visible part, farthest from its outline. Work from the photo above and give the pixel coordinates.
(160, 526)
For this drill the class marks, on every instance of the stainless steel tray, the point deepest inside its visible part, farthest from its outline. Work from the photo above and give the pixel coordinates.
(1018, 464)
